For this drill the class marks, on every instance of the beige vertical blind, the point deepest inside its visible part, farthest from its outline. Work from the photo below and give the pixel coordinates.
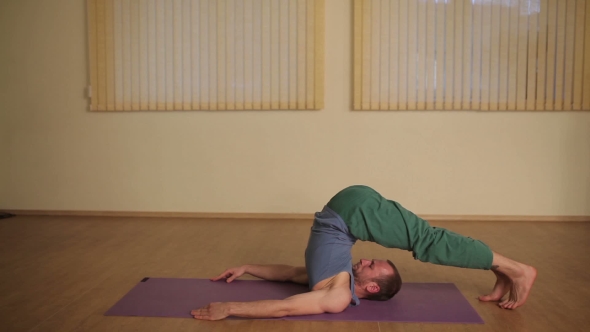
(206, 54)
(472, 54)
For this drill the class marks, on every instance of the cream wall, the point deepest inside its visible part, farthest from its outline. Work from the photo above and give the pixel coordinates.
(57, 155)
(3, 145)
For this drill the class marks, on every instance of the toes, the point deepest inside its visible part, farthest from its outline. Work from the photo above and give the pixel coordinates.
(490, 298)
(510, 305)
(504, 304)
(515, 304)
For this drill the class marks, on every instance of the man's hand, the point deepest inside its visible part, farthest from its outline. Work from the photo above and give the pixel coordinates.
(231, 274)
(214, 311)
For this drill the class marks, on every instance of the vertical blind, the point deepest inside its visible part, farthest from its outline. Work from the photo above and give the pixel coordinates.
(472, 54)
(206, 54)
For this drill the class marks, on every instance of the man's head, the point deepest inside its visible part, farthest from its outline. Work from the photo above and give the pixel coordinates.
(376, 279)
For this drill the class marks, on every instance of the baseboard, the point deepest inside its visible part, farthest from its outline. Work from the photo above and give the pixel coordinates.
(155, 214)
(518, 218)
(283, 216)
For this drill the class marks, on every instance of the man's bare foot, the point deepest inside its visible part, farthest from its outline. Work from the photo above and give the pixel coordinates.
(501, 287)
(520, 288)
(521, 278)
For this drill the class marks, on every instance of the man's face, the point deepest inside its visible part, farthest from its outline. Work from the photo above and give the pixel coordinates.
(367, 269)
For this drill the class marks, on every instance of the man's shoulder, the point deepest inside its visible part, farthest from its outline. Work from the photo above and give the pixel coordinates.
(338, 281)
(338, 289)
(338, 295)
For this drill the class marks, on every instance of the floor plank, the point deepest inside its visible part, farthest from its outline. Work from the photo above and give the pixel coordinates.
(63, 273)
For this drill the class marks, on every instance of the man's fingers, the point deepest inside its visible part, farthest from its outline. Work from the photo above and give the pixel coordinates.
(200, 314)
(218, 277)
(223, 275)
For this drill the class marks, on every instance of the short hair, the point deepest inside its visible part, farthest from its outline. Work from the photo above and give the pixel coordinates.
(389, 285)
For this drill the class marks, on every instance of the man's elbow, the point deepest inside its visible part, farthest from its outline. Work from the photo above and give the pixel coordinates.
(275, 310)
(336, 308)
(337, 304)
(330, 309)
(280, 313)
(300, 310)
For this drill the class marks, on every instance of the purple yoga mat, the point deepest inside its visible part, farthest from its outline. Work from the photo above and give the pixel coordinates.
(175, 297)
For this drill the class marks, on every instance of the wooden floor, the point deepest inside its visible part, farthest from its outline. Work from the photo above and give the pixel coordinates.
(63, 273)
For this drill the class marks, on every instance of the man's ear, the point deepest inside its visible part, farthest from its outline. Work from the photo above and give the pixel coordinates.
(373, 288)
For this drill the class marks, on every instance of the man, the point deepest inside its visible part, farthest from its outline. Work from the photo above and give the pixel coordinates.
(361, 213)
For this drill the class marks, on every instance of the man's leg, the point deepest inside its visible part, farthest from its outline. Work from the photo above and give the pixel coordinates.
(443, 247)
(371, 217)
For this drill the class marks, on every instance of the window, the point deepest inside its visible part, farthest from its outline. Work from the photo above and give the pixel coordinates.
(206, 54)
(472, 54)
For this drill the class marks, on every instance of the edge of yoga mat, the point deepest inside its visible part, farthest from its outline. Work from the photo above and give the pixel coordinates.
(175, 297)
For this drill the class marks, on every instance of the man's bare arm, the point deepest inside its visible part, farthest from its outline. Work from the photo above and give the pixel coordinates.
(267, 272)
(316, 302)
(279, 273)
